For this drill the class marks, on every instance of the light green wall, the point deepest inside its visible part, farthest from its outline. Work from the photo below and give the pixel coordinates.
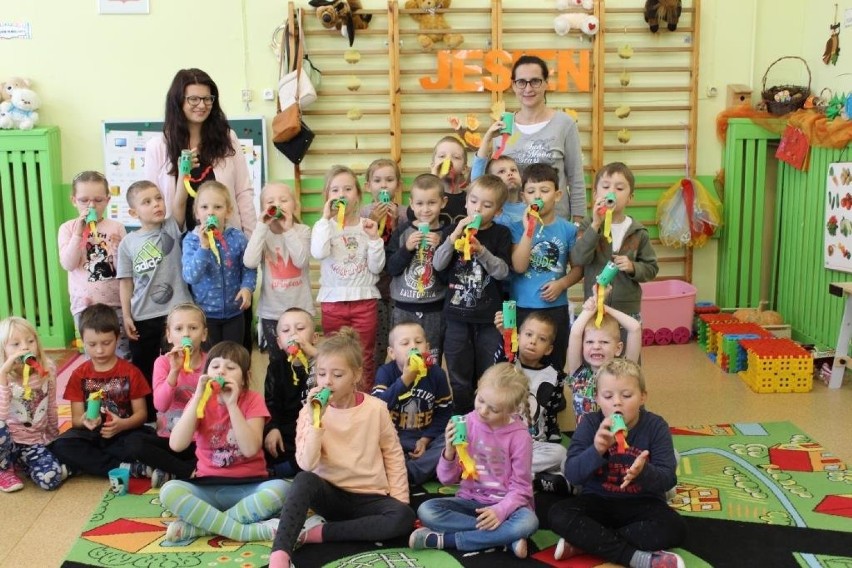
(89, 68)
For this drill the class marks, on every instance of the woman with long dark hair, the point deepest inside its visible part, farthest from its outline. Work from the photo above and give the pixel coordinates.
(195, 121)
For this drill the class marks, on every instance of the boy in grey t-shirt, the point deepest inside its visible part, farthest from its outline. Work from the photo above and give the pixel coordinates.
(149, 272)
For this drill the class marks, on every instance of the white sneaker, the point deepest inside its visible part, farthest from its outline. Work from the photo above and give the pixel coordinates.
(310, 523)
(272, 524)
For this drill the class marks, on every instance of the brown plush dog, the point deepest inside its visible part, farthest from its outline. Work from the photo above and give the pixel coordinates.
(666, 10)
(342, 15)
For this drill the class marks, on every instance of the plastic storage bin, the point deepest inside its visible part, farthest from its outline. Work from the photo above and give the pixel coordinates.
(667, 311)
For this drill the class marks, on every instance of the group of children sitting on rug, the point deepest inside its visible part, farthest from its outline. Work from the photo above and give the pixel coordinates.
(351, 440)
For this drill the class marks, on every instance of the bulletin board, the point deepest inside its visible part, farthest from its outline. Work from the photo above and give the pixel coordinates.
(124, 157)
(838, 217)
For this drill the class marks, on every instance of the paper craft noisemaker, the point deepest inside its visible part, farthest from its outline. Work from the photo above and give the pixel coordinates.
(214, 235)
(604, 279)
(30, 364)
(619, 428)
(186, 345)
(460, 443)
(295, 353)
(340, 204)
(533, 214)
(462, 244)
(510, 329)
(508, 119)
(93, 404)
(606, 210)
(212, 386)
(184, 167)
(318, 402)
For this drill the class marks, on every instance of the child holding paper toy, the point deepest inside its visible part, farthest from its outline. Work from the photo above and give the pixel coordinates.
(354, 471)
(416, 288)
(351, 254)
(28, 417)
(419, 399)
(213, 265)
(621, 514)
(88, 250)
(494, 505)
(225, 420)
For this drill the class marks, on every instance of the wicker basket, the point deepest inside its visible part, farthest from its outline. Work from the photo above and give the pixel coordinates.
(798, 93)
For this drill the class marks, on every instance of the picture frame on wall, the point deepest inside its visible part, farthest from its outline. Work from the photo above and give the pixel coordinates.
(123, 6)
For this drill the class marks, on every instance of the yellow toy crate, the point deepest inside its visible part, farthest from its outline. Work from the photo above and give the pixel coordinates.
(777, 365)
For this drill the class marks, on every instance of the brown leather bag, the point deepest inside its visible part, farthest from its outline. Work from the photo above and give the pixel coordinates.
(288, 121)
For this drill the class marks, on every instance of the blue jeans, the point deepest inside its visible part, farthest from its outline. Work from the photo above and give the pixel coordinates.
(455, 515)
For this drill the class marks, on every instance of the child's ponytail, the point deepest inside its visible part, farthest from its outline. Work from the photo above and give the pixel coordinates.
(344, 343)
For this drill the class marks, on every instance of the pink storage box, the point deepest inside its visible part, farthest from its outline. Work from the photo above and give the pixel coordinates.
(667, 304)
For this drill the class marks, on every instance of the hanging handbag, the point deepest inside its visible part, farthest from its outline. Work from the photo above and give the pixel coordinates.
(290, 135)
(297, 80)
(288, 120)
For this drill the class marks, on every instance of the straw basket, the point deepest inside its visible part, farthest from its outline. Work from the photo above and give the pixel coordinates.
(797, 93)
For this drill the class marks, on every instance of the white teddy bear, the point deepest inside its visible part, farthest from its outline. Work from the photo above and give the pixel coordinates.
(20, 112)
(563, 5)
(586, 23)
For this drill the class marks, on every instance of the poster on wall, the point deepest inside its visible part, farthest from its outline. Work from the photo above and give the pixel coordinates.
(124, 158)
(838, 217)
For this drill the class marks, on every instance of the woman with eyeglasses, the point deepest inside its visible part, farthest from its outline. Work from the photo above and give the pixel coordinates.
(195, 121)
(543, 135)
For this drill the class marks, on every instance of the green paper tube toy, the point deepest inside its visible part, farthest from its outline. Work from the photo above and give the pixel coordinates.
(619, 428)
(319, 401)
(213, 386)
(384, 196)
(93, 404)
(510, 330)
(186, 345)
(460, 443)
(604, 279)
(185, 162)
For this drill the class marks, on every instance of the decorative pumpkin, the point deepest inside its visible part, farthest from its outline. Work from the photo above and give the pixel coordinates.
(760, 315)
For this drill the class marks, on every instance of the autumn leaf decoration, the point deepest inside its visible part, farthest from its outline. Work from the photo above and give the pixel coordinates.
(466, 130)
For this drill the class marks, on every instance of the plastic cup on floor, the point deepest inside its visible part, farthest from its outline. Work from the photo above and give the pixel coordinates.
(119, 480)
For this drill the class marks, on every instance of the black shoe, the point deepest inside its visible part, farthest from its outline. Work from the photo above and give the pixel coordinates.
(551, 483)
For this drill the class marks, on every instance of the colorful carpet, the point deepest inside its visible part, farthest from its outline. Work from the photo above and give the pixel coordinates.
(64, 361)
(752, 494)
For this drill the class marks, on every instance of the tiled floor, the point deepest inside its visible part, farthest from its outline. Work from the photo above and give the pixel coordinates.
(38, 528)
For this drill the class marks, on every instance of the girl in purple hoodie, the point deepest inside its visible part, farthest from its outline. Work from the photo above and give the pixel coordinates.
(494, 504)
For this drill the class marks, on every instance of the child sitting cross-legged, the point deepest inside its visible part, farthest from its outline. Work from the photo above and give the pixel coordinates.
(231, 493)
(494, 505)
(420, 404)
(621, 514)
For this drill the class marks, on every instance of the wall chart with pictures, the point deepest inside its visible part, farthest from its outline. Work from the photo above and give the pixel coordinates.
(838, 217)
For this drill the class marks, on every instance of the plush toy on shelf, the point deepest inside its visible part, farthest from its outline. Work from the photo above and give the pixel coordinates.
(662, 10)
(20, 111)
(342, 15)
(12, 83)
(433, 20)
(586, 23)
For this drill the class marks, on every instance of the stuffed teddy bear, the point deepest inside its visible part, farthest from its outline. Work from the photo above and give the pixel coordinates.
(12, 83)
(430, 19)
(20, 112)
(666, 10)
(563, 5)
(586, 23)
(342, 15)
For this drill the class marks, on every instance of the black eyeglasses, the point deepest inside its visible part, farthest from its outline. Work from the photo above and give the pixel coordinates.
(522, 83)
(195, 101)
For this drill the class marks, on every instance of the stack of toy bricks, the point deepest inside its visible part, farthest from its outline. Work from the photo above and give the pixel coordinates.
(730, 354)
(717, 329)
(704, 320)
(777, 365)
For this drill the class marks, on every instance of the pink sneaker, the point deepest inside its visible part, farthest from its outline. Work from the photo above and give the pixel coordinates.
(10, 482)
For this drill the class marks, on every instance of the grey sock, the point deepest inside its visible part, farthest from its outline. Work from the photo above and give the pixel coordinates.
(640, 559)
